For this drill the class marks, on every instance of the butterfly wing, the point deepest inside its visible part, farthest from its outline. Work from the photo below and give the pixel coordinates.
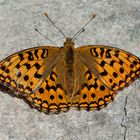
(32, 74)
(106, 70)
(51, 96)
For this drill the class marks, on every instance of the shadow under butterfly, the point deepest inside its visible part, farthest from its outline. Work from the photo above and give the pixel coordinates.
(53, 79)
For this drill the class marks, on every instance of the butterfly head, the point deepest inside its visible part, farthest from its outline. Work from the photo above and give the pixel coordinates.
(69, 42)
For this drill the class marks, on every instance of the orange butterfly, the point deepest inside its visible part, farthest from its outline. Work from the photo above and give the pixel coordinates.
(54, 79)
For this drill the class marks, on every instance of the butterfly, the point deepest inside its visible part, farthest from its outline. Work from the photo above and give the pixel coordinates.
(55, 79)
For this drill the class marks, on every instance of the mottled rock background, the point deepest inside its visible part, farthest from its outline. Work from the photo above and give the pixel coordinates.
(117, 24)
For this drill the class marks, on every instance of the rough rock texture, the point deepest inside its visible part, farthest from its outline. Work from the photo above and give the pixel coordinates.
(117, 24)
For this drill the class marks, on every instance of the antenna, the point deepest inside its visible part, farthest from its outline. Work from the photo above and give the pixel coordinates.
(45, 36)
(54, 25)
(83, 28)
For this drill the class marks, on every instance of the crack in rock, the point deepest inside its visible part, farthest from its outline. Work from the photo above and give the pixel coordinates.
(124, 116)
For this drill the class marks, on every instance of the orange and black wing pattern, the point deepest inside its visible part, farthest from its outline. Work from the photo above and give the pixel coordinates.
(107, 70)
(31, 74)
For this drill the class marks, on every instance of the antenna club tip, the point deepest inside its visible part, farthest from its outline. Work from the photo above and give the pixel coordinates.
(36, 29)
(94, 15)
(46, 14)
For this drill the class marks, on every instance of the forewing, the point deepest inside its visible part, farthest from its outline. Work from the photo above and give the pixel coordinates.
(116, 68)
(107, 70)
(31, 74)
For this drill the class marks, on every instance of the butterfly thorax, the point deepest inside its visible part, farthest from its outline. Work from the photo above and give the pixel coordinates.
(68, 42)
(69, 51)
(69, 66)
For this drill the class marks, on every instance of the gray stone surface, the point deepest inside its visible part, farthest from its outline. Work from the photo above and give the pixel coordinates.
(117, 24)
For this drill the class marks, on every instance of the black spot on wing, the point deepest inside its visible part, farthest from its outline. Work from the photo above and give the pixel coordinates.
(36, 54)
(108, 53)
(44, 53)
(36, 75)
(30, 55)
(94, 52)
(18, 66)
(112, 63)
(28, 66)
(104, 73)
(21, 56)
(102, 52)
(102, 63)
(3, 67)
(37, 66)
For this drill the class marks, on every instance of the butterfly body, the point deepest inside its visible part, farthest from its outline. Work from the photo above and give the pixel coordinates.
(69, 78)
(54, 79)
